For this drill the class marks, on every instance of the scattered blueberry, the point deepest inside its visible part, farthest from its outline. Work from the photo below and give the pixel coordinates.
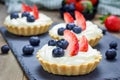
(62, 43)
(70, 26)
(104, 31)
(14, 15)
(25, 14)
(77, 29)
(113, 45)
(51, 43)
(30, 18)
(34, 41)
(61, 30)
(5, 49)
(28, 50)
(111, 54)
(58, 52)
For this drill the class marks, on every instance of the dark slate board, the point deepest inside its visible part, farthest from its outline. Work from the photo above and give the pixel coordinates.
(106, 70)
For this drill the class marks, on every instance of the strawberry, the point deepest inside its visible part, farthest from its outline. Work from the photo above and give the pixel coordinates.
(26, 8)
(79, 6)
(70, 1)
(73, 46)
(94, 2)
(112, 22)
(80, 20)
(83, 44)
(35, 12)
(68, 18)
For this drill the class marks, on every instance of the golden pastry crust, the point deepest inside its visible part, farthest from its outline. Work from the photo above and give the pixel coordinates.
(68, 70)
(28, 30)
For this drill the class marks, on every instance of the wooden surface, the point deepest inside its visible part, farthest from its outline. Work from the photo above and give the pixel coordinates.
(9, 67)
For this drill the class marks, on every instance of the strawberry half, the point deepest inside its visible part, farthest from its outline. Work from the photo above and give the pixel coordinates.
(80, 20)
(70, 1)
(83, 44)
(73, 46)
(68, 18)
(35, 12)
(79, 6)
(26, 8)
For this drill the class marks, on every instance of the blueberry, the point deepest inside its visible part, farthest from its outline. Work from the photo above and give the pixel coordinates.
(34, 41)
(14, 15)
(113, 45)
(30, 18)
(62, 43)
(5, 49)
(71, 7)
(61, 31)
(66, 8)
(58, 52)
(77, 29)
(25, 14)
(104, 31)
(28, 50)
(111, 54)
(51, 43)
(70, 26)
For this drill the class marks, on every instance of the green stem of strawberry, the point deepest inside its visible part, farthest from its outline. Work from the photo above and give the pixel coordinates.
(103, 18)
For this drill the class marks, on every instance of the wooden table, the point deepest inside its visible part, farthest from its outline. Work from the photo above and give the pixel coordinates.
(9, 67)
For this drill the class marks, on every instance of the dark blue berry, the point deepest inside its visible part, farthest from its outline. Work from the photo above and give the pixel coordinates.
(77, 29)
(30, 18)
(5, 49)
(34, 41)
(51, 43)
(62, 43)
(25, 14)
(14, 15)
(113, 45)
(104, 31)
(111, 54)
(71, 7)
(70, 26)
(58, 52)
(28, 50)
(66, 8)
(61, 31)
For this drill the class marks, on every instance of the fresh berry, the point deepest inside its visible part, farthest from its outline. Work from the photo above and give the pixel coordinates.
(94, 2)
(68, 18)
(77, 29)
(28, 50)
(26, 8)
(80, 20)
(61, 30)
(70, 1)
(34, 41)
(35, 12)
(14, 15)
(83, 44)
(79, 6)
(25, 14)
(58, 52)
(104, 31)
(71, 7)
(111, 54)
(70, 26)
(51, 43)
(66, 8)
(62, 43)
(5, 49)
(113, 45)
(30, 18)
(73, 46)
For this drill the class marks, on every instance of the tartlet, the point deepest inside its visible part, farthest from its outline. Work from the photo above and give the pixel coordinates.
(79, 62)
(19, 24)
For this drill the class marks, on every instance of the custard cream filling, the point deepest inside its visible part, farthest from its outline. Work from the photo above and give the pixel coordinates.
(82, 57)
(22, 21)
(91, 31)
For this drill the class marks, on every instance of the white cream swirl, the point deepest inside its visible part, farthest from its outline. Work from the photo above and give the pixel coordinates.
(82, 57)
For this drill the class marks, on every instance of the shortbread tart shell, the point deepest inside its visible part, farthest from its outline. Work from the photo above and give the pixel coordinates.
(28, 30)
(69, 70)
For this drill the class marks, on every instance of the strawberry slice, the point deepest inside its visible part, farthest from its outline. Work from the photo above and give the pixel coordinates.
(80, 20)
(26, 8)
(68, 18)
(35, 12)
(73, 46)
(83, 44)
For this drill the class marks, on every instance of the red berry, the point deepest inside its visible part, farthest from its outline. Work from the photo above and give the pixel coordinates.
(83, 44)
(68, 18)
(79, 6)
(94, 2)
(73, 46)
(70, 1)
(26, 8)
(35, 12)
(80, 20)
